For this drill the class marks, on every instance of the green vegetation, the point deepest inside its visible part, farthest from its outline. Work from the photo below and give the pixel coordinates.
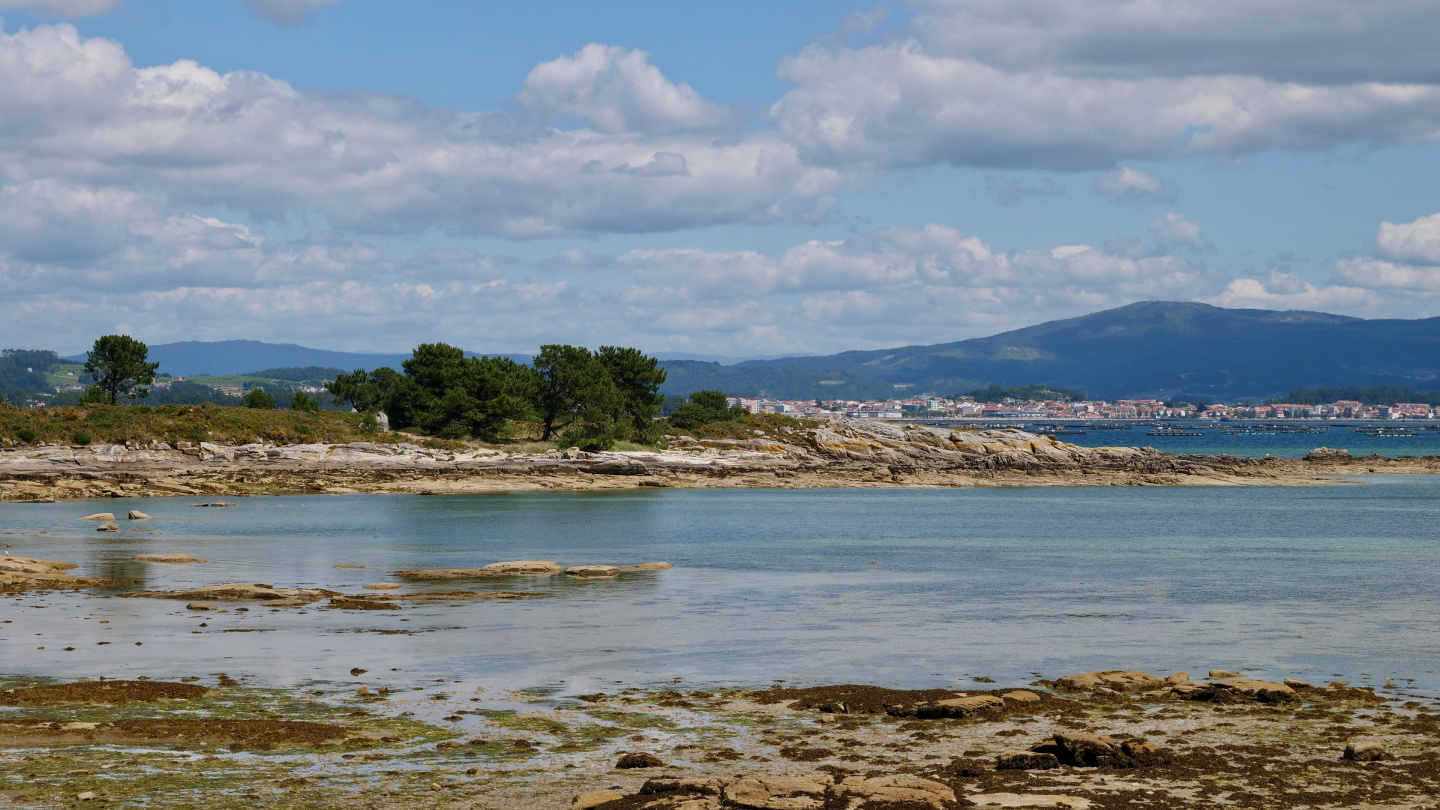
(293, 374)
(303, 402)
(258, 398)
(188, 423)
(1366, 395)
(118, 365)
(705, 407)
(1039, 393)
(591, 399)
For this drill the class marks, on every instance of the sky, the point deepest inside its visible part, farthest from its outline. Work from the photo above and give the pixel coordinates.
(739, 179)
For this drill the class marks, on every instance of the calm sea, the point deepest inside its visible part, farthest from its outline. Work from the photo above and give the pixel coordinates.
(899, 587)
(1214, 439)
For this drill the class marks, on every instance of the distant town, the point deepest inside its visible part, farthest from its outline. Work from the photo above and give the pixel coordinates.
(1120, 409)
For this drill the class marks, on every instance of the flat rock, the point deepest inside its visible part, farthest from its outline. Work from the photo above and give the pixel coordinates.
(239, 592)
(1177, 678)
(1021, 696)
(201, 606)
(108, 526)
(778, 792)
(1049, 800)
(585, 801)
(639, 760)
(138, 515)
(1263, 691)
(649, 566)
(1026, 761)
(1120, 680)
(1298, 684)
(174, 559)
(349, 565)
(383, 586)
(1220, 674)
(99, 516)
(900, 789)
(1084, 749)
(592, 571)
(1365, 751)
(521, 568)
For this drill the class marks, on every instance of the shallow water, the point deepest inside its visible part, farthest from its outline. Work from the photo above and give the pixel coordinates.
(1215, 441)
(1309, 582)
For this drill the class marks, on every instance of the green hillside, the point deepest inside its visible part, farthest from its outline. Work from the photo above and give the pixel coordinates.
(1149, 349)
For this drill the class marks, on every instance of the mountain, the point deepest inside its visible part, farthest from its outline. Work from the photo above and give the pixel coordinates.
(1158, 349)
(193, 357)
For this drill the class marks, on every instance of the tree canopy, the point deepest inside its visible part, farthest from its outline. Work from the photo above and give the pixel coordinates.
(118, 365)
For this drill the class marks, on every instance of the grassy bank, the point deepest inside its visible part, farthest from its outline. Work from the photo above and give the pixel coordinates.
(96, 424)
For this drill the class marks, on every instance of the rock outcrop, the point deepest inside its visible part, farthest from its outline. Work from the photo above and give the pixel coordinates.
(815, 791)
(268, 595)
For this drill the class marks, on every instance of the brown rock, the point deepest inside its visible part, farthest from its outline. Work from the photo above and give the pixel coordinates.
(521, 568)
(1221, 674)
(1026, 761)
(173, 559)
(1263, 691)
(649, 566)
(592, 571)
(1178, 677)
(1137, 749)
(201, 606)
(99, 516)
(137, 515)
(1046, 800)
(1021, 696)
(1116, 679)
(585, 801)
(382, 586)
(899, 790)
(1365, 751)
(1084, 749)
(108, 526)
(778, 792)
(1297, 684)
(639, 760)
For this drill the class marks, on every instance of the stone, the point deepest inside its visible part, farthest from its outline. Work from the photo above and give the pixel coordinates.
(900, 790)
(639, 760)
(138, 515)
(175, 558)
(349, 565)
(382, 422)
(99, 516)
(1026, 761)
(592, 571)
(1263, 691)
(521, 568)
(1221, 674)
(1021, 696)
(585, 801)
(1365, 751)
(87, 796)
(1177, 678)
(649, 566)
(1298, 684)
(1115, 679)
(382, 586)
(108, 526)
(1327, 454)
(1084, 749)
(363, 691)
(962, 706)
(778, 792)
(1137, 749)
(1047, 800)
(201, 606)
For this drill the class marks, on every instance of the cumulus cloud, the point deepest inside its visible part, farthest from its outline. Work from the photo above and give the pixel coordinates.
(1175, 231)
(1416, 242)
(1132, 185)
(288, 12)
(79, 112)
(617, 90)
(64, 8)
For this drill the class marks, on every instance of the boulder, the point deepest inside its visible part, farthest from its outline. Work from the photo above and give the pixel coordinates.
(1263, 691)
(1327, 454)
(1088, 750)
(138, 515)
(592, 571)
(1138, 749)
(173, 559)
(778, 792)
(108, 526)
(1177, 678)
(1026, 761)
(639, 760)
(1021, 696)
(956, 707)
(1365, 751)
(1221, 674)
(585, 801)
(99, 516)
(1116, 679)
(201, 606)
(1297, 684)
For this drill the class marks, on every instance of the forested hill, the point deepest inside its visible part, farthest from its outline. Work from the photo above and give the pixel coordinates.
(1149, 349)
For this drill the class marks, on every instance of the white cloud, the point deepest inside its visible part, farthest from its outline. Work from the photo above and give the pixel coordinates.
(288, 12)
(64, 8)
(1132, 185)
(77, 111)
(1175, 231)
(1416, 242)
(614, 90)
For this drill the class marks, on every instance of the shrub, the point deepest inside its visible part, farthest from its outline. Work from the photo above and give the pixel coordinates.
(304, 430)
(259, 399)
(83, 437)
(25, 435)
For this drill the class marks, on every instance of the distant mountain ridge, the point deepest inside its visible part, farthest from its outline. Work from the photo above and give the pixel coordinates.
(1160, 349)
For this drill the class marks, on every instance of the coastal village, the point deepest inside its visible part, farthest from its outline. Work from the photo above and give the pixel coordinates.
(1143, 409)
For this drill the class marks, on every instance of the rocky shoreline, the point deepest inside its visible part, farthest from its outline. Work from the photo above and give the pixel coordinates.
(841, 453)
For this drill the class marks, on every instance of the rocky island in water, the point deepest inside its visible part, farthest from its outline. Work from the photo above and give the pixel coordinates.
(840, 453)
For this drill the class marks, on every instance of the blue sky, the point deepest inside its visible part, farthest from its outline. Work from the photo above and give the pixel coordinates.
(743, 179)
